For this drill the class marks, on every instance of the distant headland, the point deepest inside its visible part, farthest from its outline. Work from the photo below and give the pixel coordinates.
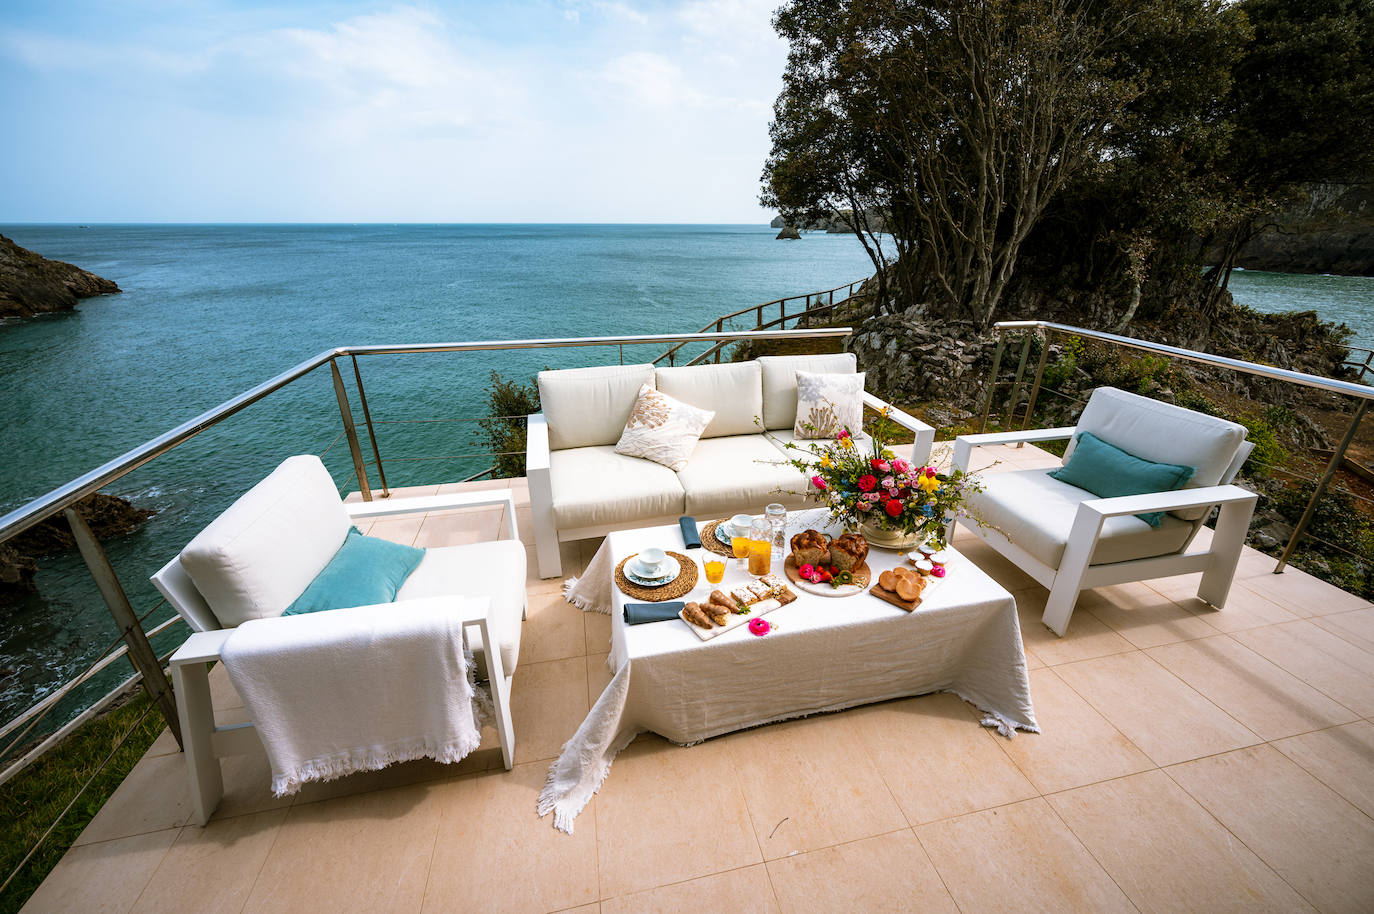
(32, 284)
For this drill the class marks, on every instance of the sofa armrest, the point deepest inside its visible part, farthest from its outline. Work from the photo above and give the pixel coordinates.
(964, 444)
(925, 434)
(536, 443)
(538, 462)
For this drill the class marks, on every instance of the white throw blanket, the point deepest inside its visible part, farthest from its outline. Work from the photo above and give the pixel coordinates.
(349, 690)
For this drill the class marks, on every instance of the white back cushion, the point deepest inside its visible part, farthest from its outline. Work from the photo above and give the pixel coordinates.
(733, 391)
(586, 407)
(261, 553)
(1163, 433)
(780, 382)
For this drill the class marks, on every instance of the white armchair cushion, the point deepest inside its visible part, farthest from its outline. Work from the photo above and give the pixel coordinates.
(585, 407)
(596, 487)
(258, 556)
(731, 390)
(1163, 433)
(780, 382)
(492, 569)
(662, 429)
(743, 473)
(1036, 512)
(828, 403)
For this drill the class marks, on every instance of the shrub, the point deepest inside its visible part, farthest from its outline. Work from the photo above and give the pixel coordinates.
(509, 403)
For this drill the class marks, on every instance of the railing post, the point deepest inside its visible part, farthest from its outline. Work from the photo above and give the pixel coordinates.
(141, 653)
(1039, 376)
(720, 328)
(992, 381)
(1016, 384)
(1336, 459)
(367, 418)
(346, 413)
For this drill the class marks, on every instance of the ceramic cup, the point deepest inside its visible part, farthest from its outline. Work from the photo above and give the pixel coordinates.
(739, 524)
(651, 562)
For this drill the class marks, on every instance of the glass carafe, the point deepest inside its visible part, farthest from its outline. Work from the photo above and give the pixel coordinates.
(760, 546)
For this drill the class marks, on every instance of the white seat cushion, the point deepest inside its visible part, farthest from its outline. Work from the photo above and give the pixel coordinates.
(742, 473)
(596, 487)
(587, 407)
(1163, 433)
(253, 560)
(495, 570)
(780, 382)
(783, 436)
(732, 390)
(1036, 513)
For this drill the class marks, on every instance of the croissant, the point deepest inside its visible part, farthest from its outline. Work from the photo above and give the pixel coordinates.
(692, 612)
(717, 612)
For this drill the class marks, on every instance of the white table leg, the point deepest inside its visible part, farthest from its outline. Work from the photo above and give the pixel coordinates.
(191, 685)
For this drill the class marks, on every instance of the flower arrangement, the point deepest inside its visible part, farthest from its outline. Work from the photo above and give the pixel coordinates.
(872, 488)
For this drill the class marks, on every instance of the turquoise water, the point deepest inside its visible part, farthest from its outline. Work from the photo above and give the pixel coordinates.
(209, 311)
(1349, 299)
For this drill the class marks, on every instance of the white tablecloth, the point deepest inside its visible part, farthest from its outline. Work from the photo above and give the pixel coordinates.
(824, 654)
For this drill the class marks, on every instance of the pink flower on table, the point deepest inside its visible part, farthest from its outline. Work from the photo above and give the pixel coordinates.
(806, 570)
(818, 482)
(900, 466)
(868, 482)
(893, 508)
(938, 570)
(882, 466)
(759, 626)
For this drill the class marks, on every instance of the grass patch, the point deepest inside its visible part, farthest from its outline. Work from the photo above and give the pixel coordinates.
(32, 799)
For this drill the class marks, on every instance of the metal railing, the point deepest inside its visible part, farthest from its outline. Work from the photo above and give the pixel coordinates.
(1362, 393)
(813, 307)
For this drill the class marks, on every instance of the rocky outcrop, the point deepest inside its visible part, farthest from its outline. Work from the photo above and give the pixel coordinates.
(107, 515)
(32, 284)
(1330, 231)
(789, 233)
(840, 223)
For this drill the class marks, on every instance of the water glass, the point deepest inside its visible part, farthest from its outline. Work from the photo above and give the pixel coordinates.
(776, 515)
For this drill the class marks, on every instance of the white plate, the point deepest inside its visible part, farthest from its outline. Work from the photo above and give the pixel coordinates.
(724, 536)
(670, 575)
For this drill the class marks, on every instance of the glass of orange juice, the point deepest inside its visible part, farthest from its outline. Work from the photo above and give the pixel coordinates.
(760, 547)
(715, 570)
(740, 546)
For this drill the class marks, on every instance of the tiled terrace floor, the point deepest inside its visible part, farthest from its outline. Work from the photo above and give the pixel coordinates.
(1191, 759)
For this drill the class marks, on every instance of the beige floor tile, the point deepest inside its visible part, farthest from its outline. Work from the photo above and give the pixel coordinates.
(1076, 745)
(401, 774)
(598, 677)
(667, 814)
(1158, 712)
(552, 629)
(593, 908)
(524, 524)
(571, 559)
(548, 703)
(154, 796)
(1244, 608)
(1311, 837)
(1033, 661)
(1087, 635)
(362, 853)
(936, 758)
(247, 778)
(992, 562)
(222, 693)
(212, 869)
(404, 529)
(886, 873)
(1142, 616)
(104, 877)
(493, 854)
(1320, 659)
(1166, 852)
(816, 785)
(1254, 691)
(1299, 592)
(1342, 758)
(165, 744)
(746, 891)
(1356, 626)
(598, 629)
(460, 528)
(1018, 858)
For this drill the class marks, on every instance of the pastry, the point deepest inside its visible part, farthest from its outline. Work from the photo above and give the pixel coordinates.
(743, 595)
(717, 612)
(773, 581)
(759, 589)
(784, 596)
(693, 614)
(726, 603)
(811, 547)
(848, 552)
(904, 582)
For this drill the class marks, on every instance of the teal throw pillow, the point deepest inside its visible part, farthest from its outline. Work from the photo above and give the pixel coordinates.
(365, 570)
(1107, 471)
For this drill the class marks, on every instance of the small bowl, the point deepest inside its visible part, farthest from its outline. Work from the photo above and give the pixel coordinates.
(739, 524)
(651, 562)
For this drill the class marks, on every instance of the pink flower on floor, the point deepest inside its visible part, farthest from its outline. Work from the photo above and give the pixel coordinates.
(759, 626)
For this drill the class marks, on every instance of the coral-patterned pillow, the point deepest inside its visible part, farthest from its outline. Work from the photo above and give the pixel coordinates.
(829, 403)
(662, 429)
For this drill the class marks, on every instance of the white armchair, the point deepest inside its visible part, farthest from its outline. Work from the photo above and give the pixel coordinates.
(1069, 539)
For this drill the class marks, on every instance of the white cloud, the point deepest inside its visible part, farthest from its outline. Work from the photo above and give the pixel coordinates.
(650, 79)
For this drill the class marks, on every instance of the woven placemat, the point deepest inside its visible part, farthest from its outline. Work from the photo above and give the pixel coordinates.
(683, 583)
(711, 544)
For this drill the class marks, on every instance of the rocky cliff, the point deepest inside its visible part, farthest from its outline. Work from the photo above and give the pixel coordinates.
(107, 515)
(837, 224)
(32, 284)
(1331, 230)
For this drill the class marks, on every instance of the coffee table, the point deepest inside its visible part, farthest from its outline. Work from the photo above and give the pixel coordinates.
(824, 654)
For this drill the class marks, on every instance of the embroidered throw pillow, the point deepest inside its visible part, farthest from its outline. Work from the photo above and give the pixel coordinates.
(829, 403)
(662, 429)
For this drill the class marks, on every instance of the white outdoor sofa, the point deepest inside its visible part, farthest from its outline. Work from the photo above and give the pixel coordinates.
(1070, 540)
(258, 556)
(580, 487)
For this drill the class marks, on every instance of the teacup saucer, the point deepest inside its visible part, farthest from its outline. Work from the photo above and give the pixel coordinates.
(665, 574)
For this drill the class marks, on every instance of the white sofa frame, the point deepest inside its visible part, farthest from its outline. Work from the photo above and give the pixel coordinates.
(1075, 573)
(548, 535)
(205, 743)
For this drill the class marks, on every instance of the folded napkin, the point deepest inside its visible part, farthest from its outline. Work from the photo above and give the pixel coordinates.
(690, 539)
(639, 613)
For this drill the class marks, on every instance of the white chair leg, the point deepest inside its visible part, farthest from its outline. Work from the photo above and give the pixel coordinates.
(191, 685)
(1228, 539)
(1068, 580)
(500, 695)
(1059, 607)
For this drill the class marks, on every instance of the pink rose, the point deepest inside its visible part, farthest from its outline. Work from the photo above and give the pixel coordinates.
(844, 433)
(806, 570)
(818, 482)
(759, 626)
(893, 508)
(900, 466)
(930, 472)
(893, 493)
(868, 482)
(882, 466)
(865, 505)
(889, 482)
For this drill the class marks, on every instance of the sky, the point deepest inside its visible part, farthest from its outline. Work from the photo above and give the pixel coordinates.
(545, 111)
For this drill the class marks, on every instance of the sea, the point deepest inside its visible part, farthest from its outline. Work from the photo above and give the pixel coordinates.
(209, 311)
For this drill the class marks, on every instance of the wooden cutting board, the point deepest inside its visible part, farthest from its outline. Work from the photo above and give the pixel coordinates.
(908, 605)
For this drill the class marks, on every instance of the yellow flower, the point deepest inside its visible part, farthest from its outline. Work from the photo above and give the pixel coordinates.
(825, 461)
(847, 442)
(929, 483)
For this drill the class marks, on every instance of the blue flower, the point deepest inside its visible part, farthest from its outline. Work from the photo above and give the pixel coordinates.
(928, 510)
